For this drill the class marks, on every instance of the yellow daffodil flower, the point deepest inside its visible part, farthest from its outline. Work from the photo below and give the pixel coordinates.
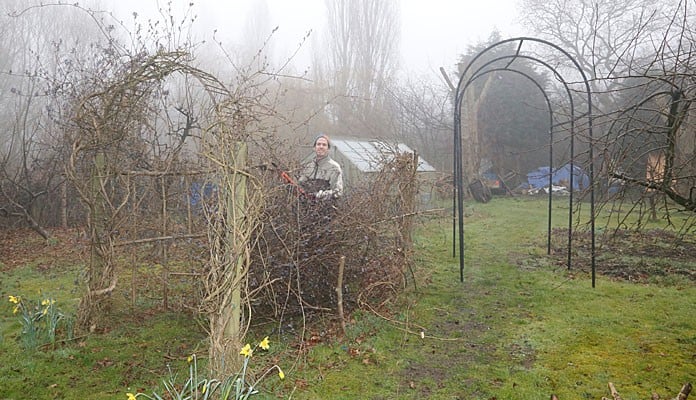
(15, 310)
(264, 343)
(281, 374)
(15, 299)
(45, 311)
(189, 359)
(47, 302)
(131, 396)
(246, 350)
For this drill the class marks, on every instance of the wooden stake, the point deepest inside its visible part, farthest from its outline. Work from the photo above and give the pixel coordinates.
(339, 292)
(613, 391)
(684, 392)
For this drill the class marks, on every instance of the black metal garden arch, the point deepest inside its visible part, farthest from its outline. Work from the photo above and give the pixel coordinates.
(481, 71)
(465, 79)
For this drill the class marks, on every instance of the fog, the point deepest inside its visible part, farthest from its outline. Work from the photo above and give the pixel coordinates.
(373, 74)
(433, 33)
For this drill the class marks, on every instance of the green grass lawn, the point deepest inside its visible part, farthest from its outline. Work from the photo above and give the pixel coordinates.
(520, 326)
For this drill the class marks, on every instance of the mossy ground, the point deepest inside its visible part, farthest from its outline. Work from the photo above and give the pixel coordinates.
(520, 326)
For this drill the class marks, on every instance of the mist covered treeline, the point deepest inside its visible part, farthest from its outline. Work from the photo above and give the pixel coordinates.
(638, 55)
(54, 53)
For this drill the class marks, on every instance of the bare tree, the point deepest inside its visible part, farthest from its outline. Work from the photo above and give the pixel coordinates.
(607, 38)
(31, 155)
(257, 46)
(363, 40)
(652, 140)
(638, 55)
(419, 112)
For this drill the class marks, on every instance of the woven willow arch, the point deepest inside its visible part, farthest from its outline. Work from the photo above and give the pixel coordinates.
(105, 124)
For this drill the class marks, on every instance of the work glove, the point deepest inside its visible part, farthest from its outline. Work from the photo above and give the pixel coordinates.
(323, 194)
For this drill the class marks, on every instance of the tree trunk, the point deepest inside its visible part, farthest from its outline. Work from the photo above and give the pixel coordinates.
(471, 137)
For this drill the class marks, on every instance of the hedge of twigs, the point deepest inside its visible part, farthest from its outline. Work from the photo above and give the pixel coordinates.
(295, 265)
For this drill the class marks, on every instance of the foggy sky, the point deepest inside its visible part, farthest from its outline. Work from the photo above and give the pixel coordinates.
(434, 32)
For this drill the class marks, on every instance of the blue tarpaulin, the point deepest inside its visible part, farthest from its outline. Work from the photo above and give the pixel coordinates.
(202, 193)
(539, 178)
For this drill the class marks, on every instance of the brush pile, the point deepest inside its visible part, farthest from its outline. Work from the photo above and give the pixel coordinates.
(296, 260)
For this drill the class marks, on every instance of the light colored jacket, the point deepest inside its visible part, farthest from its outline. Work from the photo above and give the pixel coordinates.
(324, 169)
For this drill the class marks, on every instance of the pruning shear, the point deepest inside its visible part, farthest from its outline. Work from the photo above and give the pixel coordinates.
(287, 178)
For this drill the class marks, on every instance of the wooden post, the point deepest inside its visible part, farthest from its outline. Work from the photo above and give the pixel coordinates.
(133, 249)
(236, 209)
(189, 217)
(64, 204)
(163, 247)
(236, 251)
(339, 292)
(134, 272)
